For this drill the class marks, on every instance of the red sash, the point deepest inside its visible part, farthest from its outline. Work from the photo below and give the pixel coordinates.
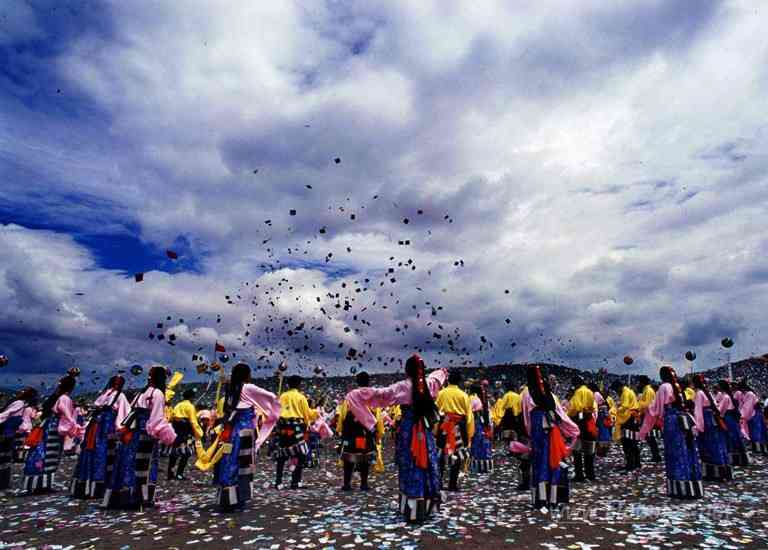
(419, 446)
(557, 449)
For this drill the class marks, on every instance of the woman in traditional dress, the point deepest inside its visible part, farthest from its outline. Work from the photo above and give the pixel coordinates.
(547, 425)
(481, 451)
(241, 437)
(726, 404)
(681, 457)
(97, 451)
(752, 419)
(605, 412)
(416, 451)
(135, 475)
(11, 420)
(59, 421)
(711, 437)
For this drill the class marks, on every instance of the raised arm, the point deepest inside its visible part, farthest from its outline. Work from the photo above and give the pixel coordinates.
(14, 409)
(361, 399)
(269, 404)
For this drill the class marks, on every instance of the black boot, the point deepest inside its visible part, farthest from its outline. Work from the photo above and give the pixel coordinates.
(349, 467)
(578, 466)
(296, 476)
(171, 466)
(654, 445)
(589, 467)
(364, 469)
(280, 466)
(182, 466)
(453, 483)
(525, 476)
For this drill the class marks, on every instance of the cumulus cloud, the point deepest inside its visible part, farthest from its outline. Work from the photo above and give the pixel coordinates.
(602, 164)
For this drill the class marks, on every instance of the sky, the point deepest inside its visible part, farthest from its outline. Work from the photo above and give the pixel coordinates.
(570, 182)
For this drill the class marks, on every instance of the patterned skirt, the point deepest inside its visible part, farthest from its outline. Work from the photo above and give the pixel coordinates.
(233, 474)
(482, 448)
(737, 451)
(97, 457)
(420, 488)
(549, 486)
(714, 450)
(451, 438)
(7, 442)
(133, 480)
(681, 457)
(357, 444)
(290, 439)
(757, 432)
(43, 460)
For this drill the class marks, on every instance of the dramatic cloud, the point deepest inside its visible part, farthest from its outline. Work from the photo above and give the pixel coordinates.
(580, 182)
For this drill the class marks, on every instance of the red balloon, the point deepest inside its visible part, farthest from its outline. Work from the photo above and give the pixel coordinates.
(628, 360)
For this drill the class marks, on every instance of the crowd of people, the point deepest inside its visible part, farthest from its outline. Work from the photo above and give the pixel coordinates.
(444, 427)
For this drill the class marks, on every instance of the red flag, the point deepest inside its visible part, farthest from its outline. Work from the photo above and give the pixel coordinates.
(219, 348)
(171, 254)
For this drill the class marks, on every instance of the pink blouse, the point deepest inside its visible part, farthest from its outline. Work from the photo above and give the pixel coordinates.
(699, 403)
(567, 426)
(398, 393)
(747, 406)
(27, 418)
(724, 403)
(266, 404)
(157, 425)
(477, 405)
(65, 410)
(14, 409)
(122, 406)
(599, 400)
(320, 426)
(664, 396)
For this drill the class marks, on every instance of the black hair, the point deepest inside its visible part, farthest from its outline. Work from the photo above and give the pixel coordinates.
(363, 379)
(455, 377)
(577, 381)
(241, 375)
(188, 395)
(538, 388)
(115, 383)
(65, 386)
(294, 382)
(642, 382)
(157, 379)
(423, 405)
(667, 374)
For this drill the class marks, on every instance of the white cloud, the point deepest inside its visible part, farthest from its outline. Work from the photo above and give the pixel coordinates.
(603, 163)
